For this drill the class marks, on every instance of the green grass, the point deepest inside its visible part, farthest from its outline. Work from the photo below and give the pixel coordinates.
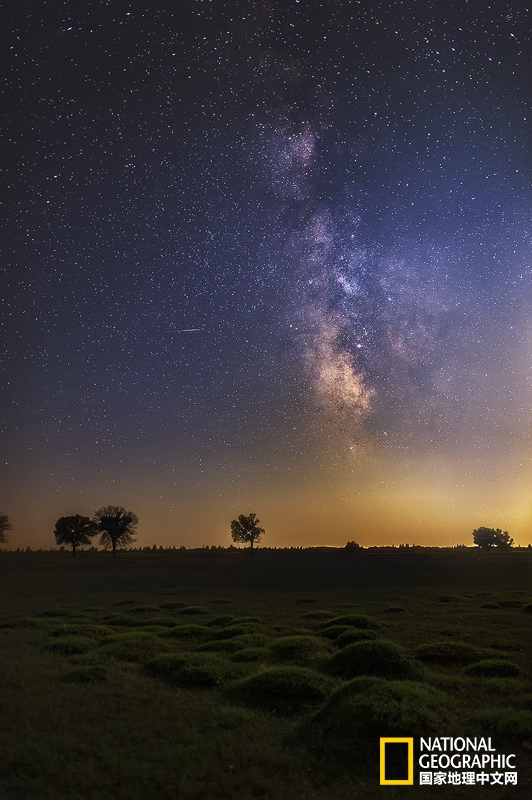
(269, 701)
(448, 653)
(286, 690)
(380, 658)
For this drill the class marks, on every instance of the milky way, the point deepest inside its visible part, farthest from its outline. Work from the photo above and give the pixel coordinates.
(255, 252)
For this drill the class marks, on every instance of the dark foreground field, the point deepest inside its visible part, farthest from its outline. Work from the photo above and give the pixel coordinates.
(217, 675)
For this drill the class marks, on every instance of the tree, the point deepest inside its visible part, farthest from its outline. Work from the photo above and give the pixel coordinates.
(492, 537)
(353, 546)
(74, 530)
(5, 526)
(117, 526)
(246, 529)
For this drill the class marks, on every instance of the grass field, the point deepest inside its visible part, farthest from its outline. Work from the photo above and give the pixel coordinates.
(213, 674)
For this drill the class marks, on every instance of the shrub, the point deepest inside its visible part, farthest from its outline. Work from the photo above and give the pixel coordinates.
(379, 657)
(352, 635)
(510, 604)
(344, 735)
(353, 621)
(193, 610)
(300, 649)
(285, 689)
(490, 605)
(143, 609)
(96, 674)
(172, 604)
(448, 653)
(124, 603)
(394, 610)
(528, 608)
(199, 670)
(71, 645)
(135, 647)
(493, 668)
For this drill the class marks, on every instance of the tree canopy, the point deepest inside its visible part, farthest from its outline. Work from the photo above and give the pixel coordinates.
(5, 526)
(116, 525)
(74, 530)
(246, 530)
(487, 538)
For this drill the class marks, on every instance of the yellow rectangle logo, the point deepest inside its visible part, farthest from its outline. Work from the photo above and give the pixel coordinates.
(410, 761)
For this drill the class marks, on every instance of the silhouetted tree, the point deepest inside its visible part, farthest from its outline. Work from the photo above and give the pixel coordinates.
(353, 546)
(246, 530)
(74, 530)
(117, 526)
(492, 537)
(5, 526)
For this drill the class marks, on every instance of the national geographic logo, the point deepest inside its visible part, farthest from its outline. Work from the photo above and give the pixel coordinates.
(397, 761)
(445, 761)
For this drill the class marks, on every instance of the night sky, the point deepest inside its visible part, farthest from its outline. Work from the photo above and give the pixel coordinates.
(268, 257)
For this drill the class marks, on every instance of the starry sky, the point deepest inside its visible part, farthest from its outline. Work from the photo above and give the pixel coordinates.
(269, 257)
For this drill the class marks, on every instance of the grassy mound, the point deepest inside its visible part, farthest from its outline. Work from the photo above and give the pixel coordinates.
(380, 657)
(220, 622)
(71, 645)
(190, 631)
(452, 598)
(144, 609)
(335, 631)
(344, 735)
(120, 621)
(318, 614)
(250, 654)
(285, 689)
(352, 635)
(97, 632)
(394, 610)
(237, 629)
(221, 646)
(197, 670)
(138, 646)
(448, 653)
(299, 649)
(19, 621)
(56, 612)
(193, 610)
(96, 674)
(353, 621)
(163, 622)
(493, 668)
(172, 604)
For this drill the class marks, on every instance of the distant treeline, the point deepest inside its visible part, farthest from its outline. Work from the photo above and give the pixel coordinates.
(213, 549)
